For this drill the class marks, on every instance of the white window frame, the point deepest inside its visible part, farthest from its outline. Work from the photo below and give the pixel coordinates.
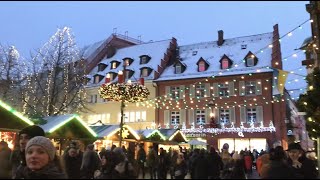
(251, 114)
(178, 68)
(175, 92)
(175, 117)
(223, 89)
(224, 116)
(251, 88)
(200, 117)
(250, 62)
(200, 90)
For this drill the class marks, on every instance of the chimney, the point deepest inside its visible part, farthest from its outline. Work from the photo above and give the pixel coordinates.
(220, 38)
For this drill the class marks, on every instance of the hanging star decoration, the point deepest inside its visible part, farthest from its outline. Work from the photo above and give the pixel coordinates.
(125, 133)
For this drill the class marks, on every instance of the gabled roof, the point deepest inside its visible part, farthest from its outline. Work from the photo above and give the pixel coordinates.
(11, 119)
(56, 122)
(109, 130)
(212, 53)
(155, 50)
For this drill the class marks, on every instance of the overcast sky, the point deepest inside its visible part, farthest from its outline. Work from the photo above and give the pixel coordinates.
(28, 25)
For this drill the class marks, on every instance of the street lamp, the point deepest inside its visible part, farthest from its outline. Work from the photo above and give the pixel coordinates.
(124, 93)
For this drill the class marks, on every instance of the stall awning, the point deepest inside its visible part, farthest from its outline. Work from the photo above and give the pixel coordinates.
(12, 120)
(163, 136)
(112, 132)
(69, 126)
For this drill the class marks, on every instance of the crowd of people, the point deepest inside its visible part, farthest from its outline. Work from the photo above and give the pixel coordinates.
(36, 158)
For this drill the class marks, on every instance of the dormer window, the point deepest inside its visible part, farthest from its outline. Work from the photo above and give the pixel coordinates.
(178, 69)
(251, 59)
(127, 61)
(97, 79)
(144, 59)
(145, 71)
(112, 75)
(128, 73)
(225, 62)
(202, 65)
(114, 64)
(101, 67)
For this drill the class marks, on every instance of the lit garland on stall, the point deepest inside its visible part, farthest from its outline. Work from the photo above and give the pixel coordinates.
(129, 92)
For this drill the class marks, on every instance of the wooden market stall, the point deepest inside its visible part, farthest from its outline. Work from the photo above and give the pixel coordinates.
(11, 122)
(63, 129)
(109, 135)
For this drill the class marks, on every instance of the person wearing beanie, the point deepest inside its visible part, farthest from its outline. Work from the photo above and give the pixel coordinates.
(17, 158)
(40, 159)
(303, 167)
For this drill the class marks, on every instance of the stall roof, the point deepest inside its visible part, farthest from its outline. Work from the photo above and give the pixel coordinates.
(165, 134)
(12, 115)
(55, 122)
(110, 130)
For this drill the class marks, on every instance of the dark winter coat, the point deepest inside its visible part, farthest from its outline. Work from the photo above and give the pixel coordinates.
(15, 160)
(50, 171)
(90, 163)
(5, 169)
(215, 164)
(308, 169)
(180, 170)
(141, 156)
(201, 167)
(72, 165)
(278, 169)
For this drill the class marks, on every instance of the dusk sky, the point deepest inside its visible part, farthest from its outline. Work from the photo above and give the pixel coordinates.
(28, 25)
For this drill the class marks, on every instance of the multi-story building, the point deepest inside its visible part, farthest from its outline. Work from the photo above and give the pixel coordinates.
(141, 60)
(229, 84)
(230, 81)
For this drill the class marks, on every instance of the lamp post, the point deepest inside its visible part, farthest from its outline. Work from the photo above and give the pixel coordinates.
(124, 93)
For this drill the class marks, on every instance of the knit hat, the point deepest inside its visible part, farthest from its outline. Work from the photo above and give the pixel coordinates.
(45, 143)
(32, 131)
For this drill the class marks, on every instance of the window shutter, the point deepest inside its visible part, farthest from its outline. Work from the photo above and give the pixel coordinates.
(168, 91)
(191, 116)
(207, 88)
(166, 117)
(243, 114)
(259, 114)
(215, 90)
(182, 116)
(191, 91)
(231, 88)
(232, 115)
(208, 111)
(258, 87)
(241, 91)
(182, 91)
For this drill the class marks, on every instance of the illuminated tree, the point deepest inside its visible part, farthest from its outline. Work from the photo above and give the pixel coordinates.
(309, 103)
(55, 84)
(11, 75)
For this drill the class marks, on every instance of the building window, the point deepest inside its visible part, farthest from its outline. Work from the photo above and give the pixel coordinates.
(175, 117)
(200, 90)
(126, 62)
(175, 92)
(96, 79)
(250, 62)
(224, 116)
(178, 69)
(223, 89)
(251, 115)
(144, 72)
(94, 98)
(202, 66)
(200, 117)
(104, 118)
(134, 116)
(144, 60)
(250, 87)
(114, 65)
(225, 64)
